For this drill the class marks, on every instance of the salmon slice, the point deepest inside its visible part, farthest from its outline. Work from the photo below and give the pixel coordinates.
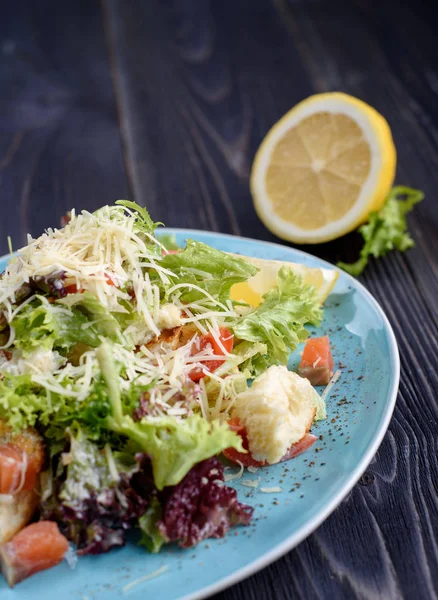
(21, 461)
(37, 547)
(248, 461)
(317, 361)
(23, 451)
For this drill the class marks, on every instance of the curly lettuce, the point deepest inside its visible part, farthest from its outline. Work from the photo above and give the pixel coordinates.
(174, 445)
(279, 321)
(77, 318)
(386, 229)
(200, 266)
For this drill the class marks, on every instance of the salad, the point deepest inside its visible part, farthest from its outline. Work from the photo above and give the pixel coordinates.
(126, 370)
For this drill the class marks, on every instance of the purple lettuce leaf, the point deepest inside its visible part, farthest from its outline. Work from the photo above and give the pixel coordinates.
(201, 506)
(94, 509)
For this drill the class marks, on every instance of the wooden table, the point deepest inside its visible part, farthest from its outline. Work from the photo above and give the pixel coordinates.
(165, 103)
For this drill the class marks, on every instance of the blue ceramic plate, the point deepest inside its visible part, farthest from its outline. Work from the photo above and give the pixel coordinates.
(312, 484)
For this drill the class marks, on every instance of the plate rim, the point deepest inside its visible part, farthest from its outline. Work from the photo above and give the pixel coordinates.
(305, 530)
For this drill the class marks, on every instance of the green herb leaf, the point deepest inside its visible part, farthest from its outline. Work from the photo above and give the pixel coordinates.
(386, 229)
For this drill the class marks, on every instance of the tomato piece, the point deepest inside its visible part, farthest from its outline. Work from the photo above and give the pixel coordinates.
(71, 289)
(170, 252)
(317, 363)
(17, 470)
(248, 461)
(227, 341)
(109, 280)
(37, 547)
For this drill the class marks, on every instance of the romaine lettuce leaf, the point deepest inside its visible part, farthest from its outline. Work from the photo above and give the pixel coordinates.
(279, 320)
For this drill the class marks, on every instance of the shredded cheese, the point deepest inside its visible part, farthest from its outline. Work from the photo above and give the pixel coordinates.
(147, 577)
(271, 490)
(104, 254)
(330, 385)
(233, 476)
(251, 483)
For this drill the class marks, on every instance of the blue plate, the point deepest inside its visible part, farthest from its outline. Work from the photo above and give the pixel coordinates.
(313, 484)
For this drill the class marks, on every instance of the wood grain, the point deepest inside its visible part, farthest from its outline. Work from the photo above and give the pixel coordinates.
(198, 86)
(195, 86)
(59, 137)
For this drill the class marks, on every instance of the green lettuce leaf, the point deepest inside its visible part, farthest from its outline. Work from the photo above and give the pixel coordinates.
(279, 320)
(151, 537)
(211, 270)
(248, 357)
(143, 221)
(103, 321)
(169, 241)
(174, 445)
(20, 404)
(41, 324)
(386, 229)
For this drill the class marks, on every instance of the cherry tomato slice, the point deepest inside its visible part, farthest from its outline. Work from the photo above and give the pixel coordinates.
(227, 341)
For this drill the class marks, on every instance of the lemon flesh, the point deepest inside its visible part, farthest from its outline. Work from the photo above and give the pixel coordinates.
(251, 291)
(323, 168)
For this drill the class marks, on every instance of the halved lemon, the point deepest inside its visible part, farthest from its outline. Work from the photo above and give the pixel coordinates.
(323, 168)
(251, 291)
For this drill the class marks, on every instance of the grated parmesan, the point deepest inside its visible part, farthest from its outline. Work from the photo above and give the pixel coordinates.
(330, 384)
(233, 476)
(271, 490)
(103, 253)
(148, 577)
(251, 483)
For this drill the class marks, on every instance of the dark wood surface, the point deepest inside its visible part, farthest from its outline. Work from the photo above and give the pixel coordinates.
(166, 103)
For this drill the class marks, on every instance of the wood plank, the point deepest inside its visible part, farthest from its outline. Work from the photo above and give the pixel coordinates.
(191, 85)
(198, 86)
(59, 140)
